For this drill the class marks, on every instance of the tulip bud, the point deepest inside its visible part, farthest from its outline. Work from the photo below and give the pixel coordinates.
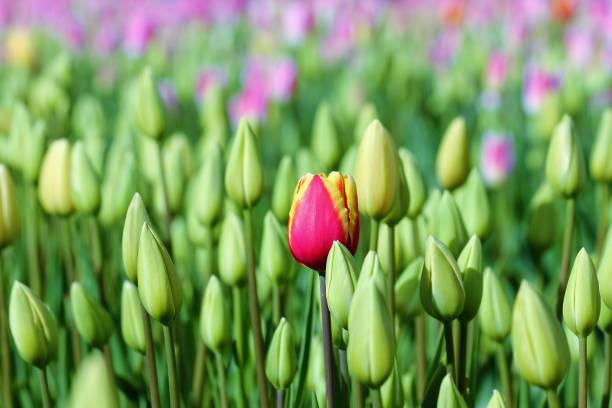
(415, 182)
(198, 233)
(367, 115)
(449, 396)
(600, 163)
(92, 321)
(88, 116)
(376, 171)
(232, 251)
(494, 314)
(215, 317)
(338, 334)
(470, 265)
(59, 69)
(283, 189)
(407, 296)
(244, 172)
(371, 271)
(391, 392)
(33, 326)
(410, 238)
(176, 158)
(604, 270)
(281, 359)
(581, 304)
(442, 292)
(94, 384)
(48, 100)
(149, 108)
(473, 203)
(274, 259)
(453, 159)
(447, 224)
(324, 210)
(340, 282)
(496, 401)
(540, 349)
(541, 220)
(400, 202)
(605, 319)
(325, 144)
(21, 48)
(135, 218)
(10, 224)
(132, 327)
(564, 162)
(181, 246)
(119, 186)
(84, 182)
(33, 151)
(158, 283)
(431, 208)
(573, 343)
(370, 348)
(209, 187)
(54, 184)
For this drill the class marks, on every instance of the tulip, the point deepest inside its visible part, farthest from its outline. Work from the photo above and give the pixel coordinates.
(325, 141)
(232, 251)
(118, 187)
(401, 201)
(94, 384)
(541, 219)
(135, 218)
(449, 396)
(347, 164)
(132, 326)
(581, 304)
(496, 158)
(340, 282)
(48, 100)
(564, 163)
(540, 349)
(88, 116)
(496, 401)
(283, 188)
(391, 392)
(274, 259)
(416, 184)
(376, 171)
(470, 265)
(600, 163)
(176, 159)
(447, 224)
(244, 170)
(324, 210)
(33, 151)
(149, 111)
(407, 296)
(54, 183)
(371, 271)
(605, 319)
(21, 48)
(366, 116)
(158, 283)
(180, 244)
(452, 161)
(10, 224)
(604, 270)
(33, 326)
(473, 203)
(208, 189)
(409, 241)
(494, 313)
(84, 182)
(92, 321)
(59, 69)
(214, 317)
(281, 360)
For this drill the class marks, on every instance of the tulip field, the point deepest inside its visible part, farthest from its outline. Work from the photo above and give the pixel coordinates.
(305, 203)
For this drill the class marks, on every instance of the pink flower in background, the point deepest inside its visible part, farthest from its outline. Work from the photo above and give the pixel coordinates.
(298, 21)
(207, 79)
(281, 79)
(138, 33)
(537, 85)
(250, 103)
(167, 93)
(497, 70)
(444, 48)
(579, 46)
(496, 158)
(340, 38)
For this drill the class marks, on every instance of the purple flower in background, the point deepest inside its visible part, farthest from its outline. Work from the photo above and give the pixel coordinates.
(167, 92)
(444, 48)
(249, 103)
(497, 70)
(138, 33)
(537, 85)
(496, 158)
(579, 47)
(281, 79)
(298, 21)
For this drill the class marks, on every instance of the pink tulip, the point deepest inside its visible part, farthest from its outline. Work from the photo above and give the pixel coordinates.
(538, 84)
(496, 158)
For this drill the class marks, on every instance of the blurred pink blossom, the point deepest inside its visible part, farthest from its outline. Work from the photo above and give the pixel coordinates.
(298, 21)
(579, 46)
(138, 32)
(281, 79)
(250, 103)
(497, 70)
(537, 85)
(207, 79)
(496, 158)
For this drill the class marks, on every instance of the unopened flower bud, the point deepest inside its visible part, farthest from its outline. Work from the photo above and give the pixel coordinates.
(367, 115)
(407, 290)
(449, 396)
(581, 304)
(132, 327)
(149, 108)
(604, 270)
(94, 384)
(600, 163)
(54, 183)
(473, 204)
(10, 224)
(453, 160)
(494, 315)
(340, 282)
(281, 359)
(93, 323)
(416, 184)
(541, 219)
(325, 142)
(135, 218)
(232, 251)
(84, 181)
(215, 317)
(470, 265)
(274, 260)
(391, 392)
(284, 185)
(447, 224)
(401, 201)
(496, 401)
(244, 170)
(564, 163)
(209, 188)
(605, 319)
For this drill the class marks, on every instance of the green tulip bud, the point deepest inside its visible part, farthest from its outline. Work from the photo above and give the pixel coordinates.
(132, 327)
(33, 150)
(496, 401)
(600, 163)
(158, 283)
(473, 203)
(371, 270)
(54, 184)
(232, 251)
(604, 270)
(88, 116)
(414, 179)
(367, 115)
(119, 185)
(316, 371)
(274, 260)
(376, 171)
(244, 171)
(198, 233)
(573, 343)
(391, 392)
(564, 162)
(135, 218)
(149, 108)
(48, 100)
(59, 69)
(581, 303)
(447, 225)
(400, 202)
(181, 246)
(18, 136)
(209, 187)
(281, 359)
(215, 317)
(94, 384)
(431, 208)
(409, 241)
(325, 143)
(540, 349)
(449, 396)
(347, 164)
(84, 182)
(494, 314)
(33, 326)
(470, 265)
(442, 292)
(92, 321)
(370, 351)
(10, 224)
(541, 219)
(453, 159)
(407, 296)
(605, 319)
(340, 282)
(284, 185)
(338, 334)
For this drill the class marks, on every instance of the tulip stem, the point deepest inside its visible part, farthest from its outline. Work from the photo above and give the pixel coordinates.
(31, 227)
(254, 310)
(327, 344)
(421, 351)
(391, 273)
(221, 375)
(6, 360)
(276, 312)
(44, 387)
(583, 373)
(603, 217)
(567, 248)
(164, 187)
(553, 399)
(461, 358)
(376, 399)
(198, 375)
(504, 373)
(151, 365)
(608, 374)
(171, 361)
(280, 398)
(70, 277)
(373, 235)
(450, 351)
(96, 257)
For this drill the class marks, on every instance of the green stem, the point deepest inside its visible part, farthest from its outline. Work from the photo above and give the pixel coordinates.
(31, 227)
(603, 218)
(280, 398)
(373, 235)
(6, 360)
(254, 311)
(164, 187)
(567, 248)
(71, 277)
(553, 399)
(504, 373)
(450, 351)
(376, 399)
(44, 387)
(421, 352)
(327, 344)
(171, 362)
(583, 373)
(151, 365)
(358, 394)
(221, 375)
(391, 273)
(276, 313)
(96, 258)
(198, 375)
(462, 357)
(608, 374)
